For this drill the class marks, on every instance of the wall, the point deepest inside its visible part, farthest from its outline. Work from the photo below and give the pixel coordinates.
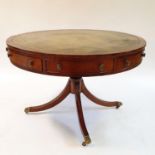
(128, 131)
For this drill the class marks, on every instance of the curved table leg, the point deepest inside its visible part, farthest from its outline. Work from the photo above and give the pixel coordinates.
(85, 133)
(96, 100)
(51, 103)
(76, 85)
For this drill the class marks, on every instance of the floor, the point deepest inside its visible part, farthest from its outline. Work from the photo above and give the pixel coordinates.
(129, 130)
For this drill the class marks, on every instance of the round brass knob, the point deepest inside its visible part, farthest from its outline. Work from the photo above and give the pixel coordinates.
(59, 67)
(101, 68)
(30, 63)
(127, 63)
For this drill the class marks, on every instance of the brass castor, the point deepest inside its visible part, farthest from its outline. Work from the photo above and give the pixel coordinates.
(87, 140)
(27, 110)
(119, 104)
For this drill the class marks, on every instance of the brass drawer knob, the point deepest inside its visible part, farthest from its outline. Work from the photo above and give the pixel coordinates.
(101, 68)
(30, 63)
(59, 67)
(127, 63)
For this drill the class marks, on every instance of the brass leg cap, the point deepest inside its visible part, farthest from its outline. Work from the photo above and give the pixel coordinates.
(119, 104)
(87, 140)
(27, 110)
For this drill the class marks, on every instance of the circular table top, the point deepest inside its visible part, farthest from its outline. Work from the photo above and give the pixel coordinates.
(76, 42)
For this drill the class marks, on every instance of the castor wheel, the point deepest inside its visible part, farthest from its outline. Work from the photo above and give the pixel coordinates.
(27, 110)
(118, 105)
(87, 140)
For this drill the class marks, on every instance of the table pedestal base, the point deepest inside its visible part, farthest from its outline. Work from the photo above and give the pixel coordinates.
(75, 86)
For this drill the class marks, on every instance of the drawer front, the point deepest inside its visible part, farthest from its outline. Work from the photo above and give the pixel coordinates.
(26, 62)
(80, 68)
(127, 62)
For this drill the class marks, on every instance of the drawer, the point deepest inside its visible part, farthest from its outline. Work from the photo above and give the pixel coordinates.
(80, 68)
(127, 62)
(26, 62)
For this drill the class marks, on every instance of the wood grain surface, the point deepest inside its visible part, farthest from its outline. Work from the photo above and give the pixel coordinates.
(76, 53)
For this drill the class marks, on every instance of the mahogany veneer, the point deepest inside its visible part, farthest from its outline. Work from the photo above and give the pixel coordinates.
(76, 54)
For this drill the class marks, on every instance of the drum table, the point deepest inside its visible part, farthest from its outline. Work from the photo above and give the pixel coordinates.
(76, 54)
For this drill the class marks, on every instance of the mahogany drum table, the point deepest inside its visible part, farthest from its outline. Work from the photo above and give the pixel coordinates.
(76, 54)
